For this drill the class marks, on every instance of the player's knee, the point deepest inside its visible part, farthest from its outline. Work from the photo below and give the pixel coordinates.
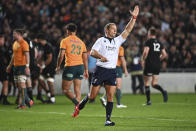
(50, 79)
(66, 91)
(153, 84)
(41, 77)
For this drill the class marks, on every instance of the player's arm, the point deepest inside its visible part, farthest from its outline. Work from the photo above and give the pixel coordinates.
(131, 23)
(96, 55)
(60, 58)
(10, 64)
(145, 54)
(85, 61)
(27, 56)
(124, 65)
(163, 54)
(49, 59)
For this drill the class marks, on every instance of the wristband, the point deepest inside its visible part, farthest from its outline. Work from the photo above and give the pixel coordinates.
(27, 65)
(134, 17)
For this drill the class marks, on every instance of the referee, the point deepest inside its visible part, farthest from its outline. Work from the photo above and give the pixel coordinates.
(106, 50)
(153, 53)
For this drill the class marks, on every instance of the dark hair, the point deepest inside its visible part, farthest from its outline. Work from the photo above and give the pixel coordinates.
(20, 31)
(152, 31)
(71, 27)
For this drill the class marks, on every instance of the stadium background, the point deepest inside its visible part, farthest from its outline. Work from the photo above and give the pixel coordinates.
(175, 20)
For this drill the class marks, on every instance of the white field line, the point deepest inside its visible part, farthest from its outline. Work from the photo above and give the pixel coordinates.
(124, 117)
(170, 103)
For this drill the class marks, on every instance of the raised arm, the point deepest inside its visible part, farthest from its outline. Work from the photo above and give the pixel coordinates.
(131, 23)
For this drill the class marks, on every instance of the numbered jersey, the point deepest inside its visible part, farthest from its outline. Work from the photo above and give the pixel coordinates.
(74, 47)
(153, 58)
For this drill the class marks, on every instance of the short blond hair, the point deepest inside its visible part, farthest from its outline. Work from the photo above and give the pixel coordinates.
(107, 26)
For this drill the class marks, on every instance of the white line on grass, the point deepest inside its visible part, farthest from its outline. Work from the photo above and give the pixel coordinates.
(124, 117)
(187, 104)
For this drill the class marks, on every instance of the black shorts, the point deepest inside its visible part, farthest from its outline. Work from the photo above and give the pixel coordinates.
(35, 72)
(104, 76)
(3, 74)
(49, 71)
(151, 70)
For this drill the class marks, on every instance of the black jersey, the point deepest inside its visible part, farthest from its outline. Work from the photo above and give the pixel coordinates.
(31, 52)
(4, 57)
(48, 49)
(153, 57)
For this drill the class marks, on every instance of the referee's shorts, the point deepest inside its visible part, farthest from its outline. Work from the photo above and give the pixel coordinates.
(104, 76)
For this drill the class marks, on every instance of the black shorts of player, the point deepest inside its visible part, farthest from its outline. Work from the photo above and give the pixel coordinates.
(3, 74)
(151, 70)
(119, 72)
(49, 71)
(73, 72)
(19, 70)
(104, 76)
(35, 72)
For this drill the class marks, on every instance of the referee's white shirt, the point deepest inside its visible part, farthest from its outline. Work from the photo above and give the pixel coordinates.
(109, 50)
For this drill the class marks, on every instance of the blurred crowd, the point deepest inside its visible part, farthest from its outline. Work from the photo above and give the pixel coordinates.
(175, 20)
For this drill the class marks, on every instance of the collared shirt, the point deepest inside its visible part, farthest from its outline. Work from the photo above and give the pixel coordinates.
(109, 48)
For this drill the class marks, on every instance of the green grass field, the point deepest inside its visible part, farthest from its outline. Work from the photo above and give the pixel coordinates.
(179, 114)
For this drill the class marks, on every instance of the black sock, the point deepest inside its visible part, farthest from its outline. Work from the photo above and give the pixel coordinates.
(91, 100)
(75, 101)
(30, 92)
(1, 97)
(147, 88)
(83, 102)
(158, 87)
(118, 95)
(27, 99)
(39, 93)
(109, 108)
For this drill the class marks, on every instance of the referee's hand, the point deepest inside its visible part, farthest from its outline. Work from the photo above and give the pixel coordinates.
(135, 12)
(103, 59)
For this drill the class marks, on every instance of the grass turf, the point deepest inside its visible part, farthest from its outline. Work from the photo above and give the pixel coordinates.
(179, 114)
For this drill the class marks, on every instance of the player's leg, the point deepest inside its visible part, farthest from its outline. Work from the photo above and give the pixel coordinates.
(110, 90)
(141, 83)
(77, 89)
(5, 92)
(50, 82)
(29, 87)
(118, 93)
(66, 85)
(133, 78)
(147, 89)
(158, 87)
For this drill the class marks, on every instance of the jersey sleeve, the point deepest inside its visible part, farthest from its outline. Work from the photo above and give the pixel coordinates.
(119, 40)
(84, 51)
(48, 49)
(121, 51)
(97, 45)
(147, 44)
(25, 46)
(62, 44)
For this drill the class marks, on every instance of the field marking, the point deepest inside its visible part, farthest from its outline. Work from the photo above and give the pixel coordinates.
(124, 117)
(188, 104)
